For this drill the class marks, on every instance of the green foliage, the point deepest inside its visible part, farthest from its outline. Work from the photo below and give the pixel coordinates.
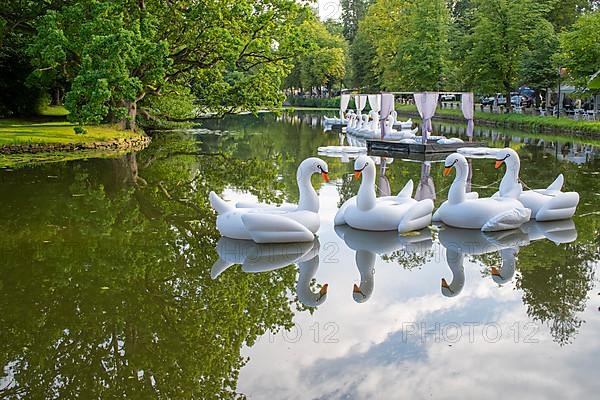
(353, 11)
(364, 63)
(580, 48)
(316, 102)
(107, 56)
(499, 39)
(174, 103)
(537, 67)
(80, 130)
(409, 39)
(325, 62)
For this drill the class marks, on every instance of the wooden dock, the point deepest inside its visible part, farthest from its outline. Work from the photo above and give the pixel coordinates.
(430, 151)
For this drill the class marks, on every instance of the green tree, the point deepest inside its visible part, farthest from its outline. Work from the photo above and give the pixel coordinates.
(538, 69)
(580, 48)
(410, 40)
(499, 39)
(114, 54)
(353, 11)
(324, 64)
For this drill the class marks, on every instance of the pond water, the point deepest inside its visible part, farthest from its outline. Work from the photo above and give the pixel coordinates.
(114, 281)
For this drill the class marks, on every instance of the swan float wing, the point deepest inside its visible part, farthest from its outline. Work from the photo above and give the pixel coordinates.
(510, 219)
(271, 228)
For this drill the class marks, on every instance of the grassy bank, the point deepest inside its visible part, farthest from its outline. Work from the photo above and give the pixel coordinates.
(27, 132)
(27, 142)
(518, 121)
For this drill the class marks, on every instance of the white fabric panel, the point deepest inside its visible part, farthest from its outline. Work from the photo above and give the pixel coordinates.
(375, 102)
(361, 102)
(468, 108)
(426, 103)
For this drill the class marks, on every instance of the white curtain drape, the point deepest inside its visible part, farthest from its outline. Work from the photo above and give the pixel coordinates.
(344, 100)
(387, 106)
(468, 108)
(361, 102)
(375, 102)
(426, 103)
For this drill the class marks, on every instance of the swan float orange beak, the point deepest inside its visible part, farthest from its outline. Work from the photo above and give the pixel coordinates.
(495, 271)
(445, 284)
(325, 176)
(356, 289)
(357, 174)
(499, 163)
(323, 290)
(447, 170)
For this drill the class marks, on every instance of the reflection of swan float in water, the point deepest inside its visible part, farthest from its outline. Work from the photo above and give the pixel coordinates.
(270, 224)
(255, 257)
(366, 211)
(368, 244)
(459, 242)
(338, 121)
(466, 210)
(545, 204)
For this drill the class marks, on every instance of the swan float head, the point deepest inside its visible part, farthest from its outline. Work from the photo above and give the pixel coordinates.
(310, 166)
(364, 165)
(507, 156)
(458, 162)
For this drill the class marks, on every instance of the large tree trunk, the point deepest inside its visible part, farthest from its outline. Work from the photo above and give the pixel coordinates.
(129, 121)
(56, 98)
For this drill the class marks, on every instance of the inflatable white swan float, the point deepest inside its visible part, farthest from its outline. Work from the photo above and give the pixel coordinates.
(465, 210)
(368, 244)
(367, 212)
(270, 224)
(255, 257)
(545, 204)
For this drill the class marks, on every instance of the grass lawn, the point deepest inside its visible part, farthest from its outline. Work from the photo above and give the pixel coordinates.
(25, 132)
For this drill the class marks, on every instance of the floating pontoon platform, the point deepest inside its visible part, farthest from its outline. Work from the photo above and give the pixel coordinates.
(389, 148)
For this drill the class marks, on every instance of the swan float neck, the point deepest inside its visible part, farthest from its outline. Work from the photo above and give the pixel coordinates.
(309, 200)
(366, 198)
(510, 180)
(456, 193)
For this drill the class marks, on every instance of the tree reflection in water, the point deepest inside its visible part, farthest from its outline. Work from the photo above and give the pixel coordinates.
(118, 299)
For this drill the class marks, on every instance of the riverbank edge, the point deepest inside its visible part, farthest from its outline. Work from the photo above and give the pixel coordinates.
(135, 143)
(521, 126)
(539, 126)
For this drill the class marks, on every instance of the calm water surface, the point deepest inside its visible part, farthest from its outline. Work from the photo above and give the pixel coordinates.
(115, 282)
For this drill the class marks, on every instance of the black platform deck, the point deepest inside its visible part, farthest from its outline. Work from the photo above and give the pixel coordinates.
(388, 148)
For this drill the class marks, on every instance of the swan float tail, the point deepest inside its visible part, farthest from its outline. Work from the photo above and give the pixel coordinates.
(407, 191)
(562, 206)
(557, 184)
(418, 217)
(218, 204)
